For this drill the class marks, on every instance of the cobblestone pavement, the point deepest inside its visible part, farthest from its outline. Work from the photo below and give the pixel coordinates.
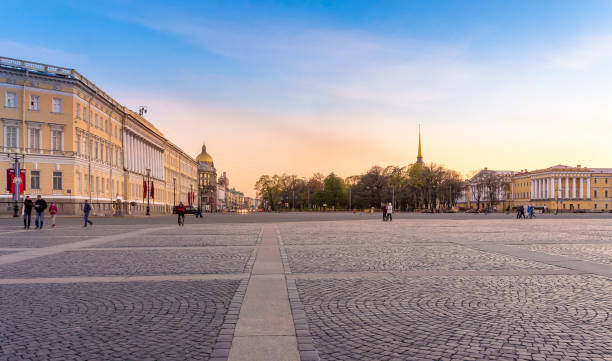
(323, 259)
(599, 253)
(113, 321)
(417, 288)
(132, 262)
(393, 313)
(463, 318)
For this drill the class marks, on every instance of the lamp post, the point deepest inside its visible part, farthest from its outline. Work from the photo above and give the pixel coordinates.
(148, 190)
(174, 190)
(16, 181)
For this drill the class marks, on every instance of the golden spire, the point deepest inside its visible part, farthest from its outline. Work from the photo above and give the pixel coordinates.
(420, 155)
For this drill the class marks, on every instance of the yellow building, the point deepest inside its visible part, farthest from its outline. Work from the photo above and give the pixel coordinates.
(76, 142)
(564, 188)
(558, 188)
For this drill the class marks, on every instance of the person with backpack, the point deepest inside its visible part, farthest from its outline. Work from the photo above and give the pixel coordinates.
(53, 213)
(27, 212)
(40, 205)
(180, 210)
(86, 210)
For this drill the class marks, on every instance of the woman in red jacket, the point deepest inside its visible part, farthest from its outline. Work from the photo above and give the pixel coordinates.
(53, 213)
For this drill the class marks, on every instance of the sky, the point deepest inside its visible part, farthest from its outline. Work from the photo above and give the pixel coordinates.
(310, 86)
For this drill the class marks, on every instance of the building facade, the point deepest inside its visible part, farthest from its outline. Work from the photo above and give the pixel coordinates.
(207, 181)
(75, 142)
(558, 188)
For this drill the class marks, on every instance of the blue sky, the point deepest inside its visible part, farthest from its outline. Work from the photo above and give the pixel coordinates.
(304, 86)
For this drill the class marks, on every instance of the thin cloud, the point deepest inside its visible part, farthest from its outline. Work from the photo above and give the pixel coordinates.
(585, 53)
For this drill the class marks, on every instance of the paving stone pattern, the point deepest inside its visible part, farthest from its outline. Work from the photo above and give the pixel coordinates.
(460, 318)
(323, 259)
(113, 321)
(180, 240)
(133, 262)
(599, 253)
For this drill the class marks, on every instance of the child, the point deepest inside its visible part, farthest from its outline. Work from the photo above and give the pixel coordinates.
(53, 213)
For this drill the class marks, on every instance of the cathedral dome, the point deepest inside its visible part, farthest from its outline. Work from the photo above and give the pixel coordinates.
(204, 157)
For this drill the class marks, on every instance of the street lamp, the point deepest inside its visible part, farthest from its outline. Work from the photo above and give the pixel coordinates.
(16, 181)
(174, 190)
(148, 190)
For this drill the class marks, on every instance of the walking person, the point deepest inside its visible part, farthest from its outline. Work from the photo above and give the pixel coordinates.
(384, 212)
(180, 210)
(27, 212)
(40, 205)
(390, 212)
(86, 210)
(53, 213)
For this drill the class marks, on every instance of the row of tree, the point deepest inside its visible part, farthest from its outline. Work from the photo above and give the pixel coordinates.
(417, 186)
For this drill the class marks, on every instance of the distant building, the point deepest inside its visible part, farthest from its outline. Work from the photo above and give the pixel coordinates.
(559, 187)
(207, 181)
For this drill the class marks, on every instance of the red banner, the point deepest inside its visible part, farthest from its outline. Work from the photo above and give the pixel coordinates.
(10, 178)
(152, 190)
(144, 188)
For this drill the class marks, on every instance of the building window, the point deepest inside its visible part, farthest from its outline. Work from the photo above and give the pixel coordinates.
(11, 136)
(96, 158)
(106, 125)
(97, 185)
(78, 144)
(595, 194)
(11, 100)
(606, 180)
(606, 193)
(78, 110)
(117, 133)
(96, 120)
(34, 102)
(578, 206)
(34, 139)
(595, 205)
(79, 183)
(57, 137)
(56, 105)
(57, 181)
(35, 179)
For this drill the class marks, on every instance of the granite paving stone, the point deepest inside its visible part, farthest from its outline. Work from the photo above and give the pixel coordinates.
(119, 321)
(132, 262)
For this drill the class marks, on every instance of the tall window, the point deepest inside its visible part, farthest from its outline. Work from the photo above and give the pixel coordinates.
(78, 110)
(11, 136)
(34, 102)
(79, 183)
(35, 179)
(606, 193)
(595, 180)
(56, 140)
(11, 100)
(34, 139)
(78, 144)
(96, 158)
(57, 181)
(96, 120)
(106, 125)
(56, 105)
(102, 185)
(594, 194)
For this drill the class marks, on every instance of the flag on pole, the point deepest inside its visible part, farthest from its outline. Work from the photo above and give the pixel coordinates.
(144, 188)
(152, 190)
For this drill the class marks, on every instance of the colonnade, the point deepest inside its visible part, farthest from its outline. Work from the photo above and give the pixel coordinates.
(568, 187)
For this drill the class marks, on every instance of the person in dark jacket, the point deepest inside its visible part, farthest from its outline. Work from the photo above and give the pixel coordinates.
(86, 210)
(27, 212)
(40, 205)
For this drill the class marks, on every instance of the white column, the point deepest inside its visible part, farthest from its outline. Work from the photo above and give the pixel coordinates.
(588, 184)
(567, 187)
(547, 188)
(560, 193)
(573, 187)
(531, 194)
(581, 188)
(540, 188)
